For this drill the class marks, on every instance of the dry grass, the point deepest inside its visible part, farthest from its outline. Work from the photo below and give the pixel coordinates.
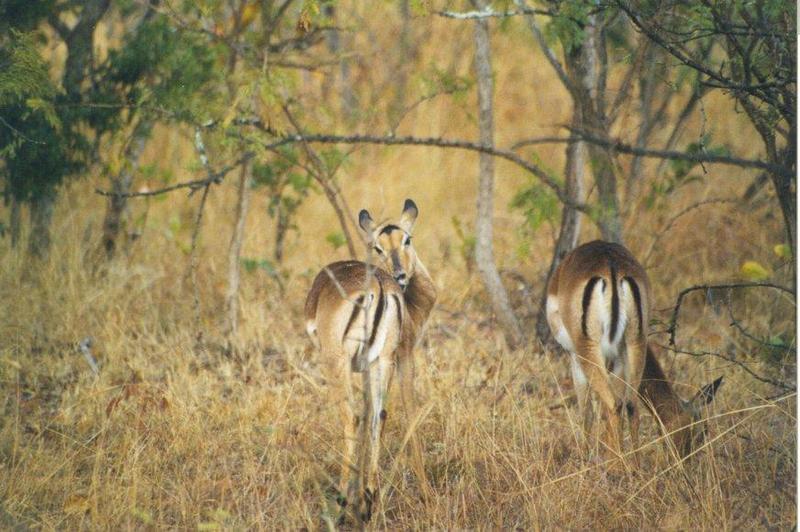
(172, 434)
(180, 434)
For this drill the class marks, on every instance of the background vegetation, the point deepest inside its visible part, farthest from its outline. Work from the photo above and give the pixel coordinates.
(154, 371)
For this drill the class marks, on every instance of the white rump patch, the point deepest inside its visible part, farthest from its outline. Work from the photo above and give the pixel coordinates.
(557, 324)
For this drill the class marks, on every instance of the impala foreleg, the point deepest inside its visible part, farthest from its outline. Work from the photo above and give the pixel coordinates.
(634, 368)
(581, 385)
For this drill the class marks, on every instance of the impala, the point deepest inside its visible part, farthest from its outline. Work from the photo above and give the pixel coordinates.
(366, 318)
(598, 307)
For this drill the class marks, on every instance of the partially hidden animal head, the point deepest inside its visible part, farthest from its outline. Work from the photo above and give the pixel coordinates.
(391, 242)
(693, 433)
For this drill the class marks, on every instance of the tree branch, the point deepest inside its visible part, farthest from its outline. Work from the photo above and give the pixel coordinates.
(195, 184)
(439, 142)
(488, 12)
(742, 365)
(621, 147)
(673, 322)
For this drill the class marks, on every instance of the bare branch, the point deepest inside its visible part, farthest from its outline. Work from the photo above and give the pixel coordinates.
(488, 12)
(621, 147)
(726, 358)
(324, 177)
(546, 50)
(675, 218)
(508, 155)
(673, 322)
(215, 178)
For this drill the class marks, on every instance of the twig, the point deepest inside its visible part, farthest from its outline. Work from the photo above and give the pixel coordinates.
(19, 133)
(621, 147)
(324, 177)
(726, 358)
(546, 178)
(675, 218)
(195, 184)
(488, 12)
(739, 327)
(673, 322)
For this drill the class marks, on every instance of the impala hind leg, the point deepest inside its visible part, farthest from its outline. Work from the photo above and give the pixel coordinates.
(581, 385)
(593, 365)
(376, 388)
(351, 423)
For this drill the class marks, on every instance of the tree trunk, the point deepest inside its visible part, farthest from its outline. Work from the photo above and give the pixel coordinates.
(406, 56)
(14, 220)
(80, 47)
(235, 251)
(785, 189)
(41, 214)
(587, 69)
(570, 230)
(484, 253)
(334, 41)
(281, 227)
(120, 185)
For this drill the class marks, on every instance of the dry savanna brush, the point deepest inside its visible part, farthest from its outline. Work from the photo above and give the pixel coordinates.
(401, 264)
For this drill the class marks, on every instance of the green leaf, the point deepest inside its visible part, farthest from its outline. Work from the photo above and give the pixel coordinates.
(336, 239)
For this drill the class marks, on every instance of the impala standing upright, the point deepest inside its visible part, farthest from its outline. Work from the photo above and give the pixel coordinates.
(366, 319)
(598, 307)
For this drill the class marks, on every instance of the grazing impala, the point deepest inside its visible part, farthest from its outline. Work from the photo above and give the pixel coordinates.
(598, 304)
(366, 319)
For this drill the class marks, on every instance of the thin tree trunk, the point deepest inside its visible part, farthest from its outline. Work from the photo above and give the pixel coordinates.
(121, 185)
(281, 227)
(570, 230)
(484, 253)
(235, 251)
(405, 56)
(41, 214)
(14, 221)
(334, 40)
(586, 66)
(785, 190)
(646, 93)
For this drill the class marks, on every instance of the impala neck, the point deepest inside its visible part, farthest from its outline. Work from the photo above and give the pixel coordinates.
(656, 391)
(420, 295)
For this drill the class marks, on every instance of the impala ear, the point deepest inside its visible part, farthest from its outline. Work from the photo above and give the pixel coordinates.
(365, 222)
(707, 392)
(409, 215)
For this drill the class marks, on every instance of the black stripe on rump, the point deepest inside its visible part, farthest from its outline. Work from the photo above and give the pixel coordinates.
(612, 332)
(358, 306)
(637, 298)
(587, 299)
(399, 309)
(378, 314)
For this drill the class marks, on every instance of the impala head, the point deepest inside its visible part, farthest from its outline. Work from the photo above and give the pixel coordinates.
(692, 437)
(391, 242)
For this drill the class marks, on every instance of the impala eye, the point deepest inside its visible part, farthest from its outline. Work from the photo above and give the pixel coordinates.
(407, 242)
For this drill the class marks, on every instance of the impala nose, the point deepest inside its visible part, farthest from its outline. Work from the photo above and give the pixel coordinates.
(402, 279)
